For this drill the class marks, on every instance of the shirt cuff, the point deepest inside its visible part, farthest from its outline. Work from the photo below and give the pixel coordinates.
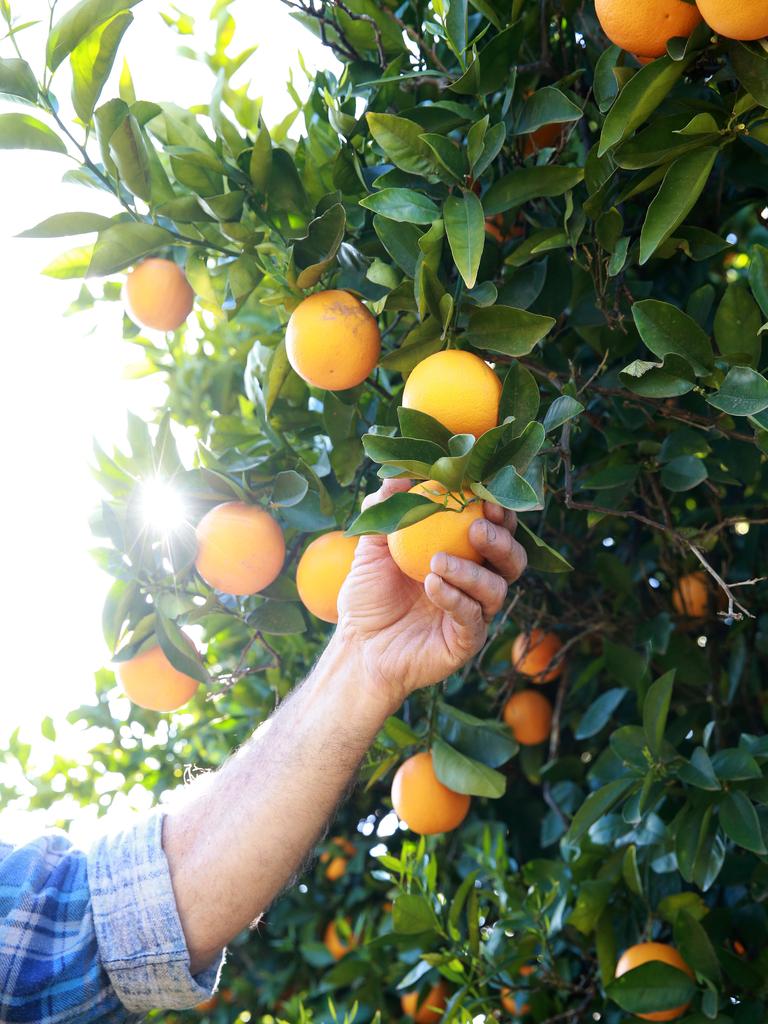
(141, 941)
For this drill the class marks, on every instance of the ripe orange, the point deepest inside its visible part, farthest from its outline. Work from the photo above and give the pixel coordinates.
(428, 1009)
(336, 944)
(542, 138)
(514, 1002)
(412, 547)
(332, 340)
(337, 864)
(644, 26)
(529, 715)
(533, 653)
(240, 548)
(747, 19)
(321, 572)
(690, 596)
(457, 388)
(151, 681)
(422, 801)
(157, 294)
(642, 954)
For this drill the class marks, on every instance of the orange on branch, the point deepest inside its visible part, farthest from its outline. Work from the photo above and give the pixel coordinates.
(428, 1009)
(644, 26)
(457, 388)
(529, 715)
(157, 294)
(321, 572)
(413, 547)
(332, 340)
(533, 656)
(337, 863)
(150, 681)
(690, 596)
(240, 548)
(338, 945)
(646, 952)
(747, 19)
(422, 801)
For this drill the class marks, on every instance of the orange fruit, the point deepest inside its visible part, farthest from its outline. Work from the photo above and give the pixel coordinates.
(529, 715)
(336, 944)
(739, 948)
(428, 1009)
(337, 865)
(422, 801)
(533, 653)
(321, 572)
(240, 548)
(157, 294)
(332, 340)
(412, 547)
(747, 19)
(151, 681)
(644, 26)
(690, 596)
(514, 1002)
(642, 954)
(542, 138)
(457, 388)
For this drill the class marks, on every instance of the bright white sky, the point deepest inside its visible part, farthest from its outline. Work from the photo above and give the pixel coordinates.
(62, 379)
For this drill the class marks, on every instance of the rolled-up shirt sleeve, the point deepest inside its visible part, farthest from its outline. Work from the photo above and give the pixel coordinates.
(92, 936)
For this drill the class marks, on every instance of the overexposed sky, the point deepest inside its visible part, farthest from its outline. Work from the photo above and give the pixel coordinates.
(62, 377)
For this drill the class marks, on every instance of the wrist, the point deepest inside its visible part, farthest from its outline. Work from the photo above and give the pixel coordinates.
(345, 672)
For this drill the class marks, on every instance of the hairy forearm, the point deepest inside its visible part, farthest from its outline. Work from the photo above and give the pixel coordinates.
(238, 836)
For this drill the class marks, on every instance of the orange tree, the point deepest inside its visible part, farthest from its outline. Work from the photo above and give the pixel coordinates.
(582, 234)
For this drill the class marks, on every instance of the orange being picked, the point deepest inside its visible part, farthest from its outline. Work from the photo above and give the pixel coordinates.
(240, 548)
(528, 714)
(428, 1009)
(644, 26)
(157, 294)
(338, 945)
(422, 801)
(457, 388)
(533, 655)
(745, 19)
(690, 596)
(332, 340)
(151, 681)
(412, 547)
(337, 861)
(643, 953)
(321, 572)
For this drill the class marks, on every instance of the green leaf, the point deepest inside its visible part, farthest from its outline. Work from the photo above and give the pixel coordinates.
(476, 141)
(734, 764)
(527, 183)
(277, 618)
(737, 323)
(595, 806)
(384, 449)
(494, 140)
(179, 650)
(638, 99)
(605, 85)
(672, 377)
(79, 22)
(592, 900)
(400, 139)
(665, 329)
(121, 245)
(744, 392)
(740, 821)
(485, 740)
(751, 67)
(414, 423)
(403, 205)
(70, 264)
(695, 947)
(394, 513)
(656, 710)
(508, 489)
(260, 162)
(507, 330)
(488, 72)
(92, 61)
(412, 914)
(450, 470)
(699, 771)
(20, 131)
(465, 775)
(563, 408)
(653, 986)
(541, 557)
(519, 397)
(456, 25)
(449, 159)
(314, 253)
(62, 224)
(683, 473)
(48, 729)
(546, 106)
(401, 242)
(758, 276)
(599, 713)
(17, 79)
(465, 228)
(682, 185)
(630, 871)
(288, 488)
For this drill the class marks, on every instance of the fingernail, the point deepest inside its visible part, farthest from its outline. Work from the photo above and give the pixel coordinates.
(490, 531)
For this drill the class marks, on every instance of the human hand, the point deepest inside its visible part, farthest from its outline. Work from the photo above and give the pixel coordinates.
(405, 634)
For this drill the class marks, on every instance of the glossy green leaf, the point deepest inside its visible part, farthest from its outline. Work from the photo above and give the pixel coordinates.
(21, 131)
(599, 713)
(402, 204)
(464, 774)
(737, 323)
(507, 330)
(400, 139)
(63, 224)
(683, 473)
(527, 183)
(666, 330)
(652, 987)
(656, 710)
(465, 228)
(17, 79)
(638, 100)
(92, 61)
(121, 245)
(394, 513)
(547, 105)
(541, 557)
(179, 650)
(744, 392)
(740, 822)
(682, 185)
(563, 409)
(77, 23)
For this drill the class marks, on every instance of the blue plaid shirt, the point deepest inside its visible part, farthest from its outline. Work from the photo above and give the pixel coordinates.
(93, 936)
